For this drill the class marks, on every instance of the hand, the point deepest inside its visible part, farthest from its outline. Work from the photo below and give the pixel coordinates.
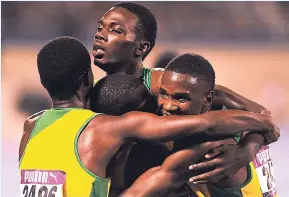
(223, 161)
(270, 136)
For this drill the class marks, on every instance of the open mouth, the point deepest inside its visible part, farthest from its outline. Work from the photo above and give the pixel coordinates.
(98, 51)
(165, 113)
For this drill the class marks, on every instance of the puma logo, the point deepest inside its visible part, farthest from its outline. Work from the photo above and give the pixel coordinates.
(54, 176)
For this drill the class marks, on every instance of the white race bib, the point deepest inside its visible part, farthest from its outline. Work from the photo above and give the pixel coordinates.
(42, 183)
(265, 172)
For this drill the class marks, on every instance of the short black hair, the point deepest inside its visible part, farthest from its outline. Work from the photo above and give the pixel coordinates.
(196, 66)
(147, 21)
(118, 94)
(62, 63)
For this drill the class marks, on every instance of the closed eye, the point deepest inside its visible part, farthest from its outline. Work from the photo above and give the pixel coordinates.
(117, 31)
(183, 100)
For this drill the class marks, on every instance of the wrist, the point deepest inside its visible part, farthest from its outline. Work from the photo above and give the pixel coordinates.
(246, 155)
(266, 122)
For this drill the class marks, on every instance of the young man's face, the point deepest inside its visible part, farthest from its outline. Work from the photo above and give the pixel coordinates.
(180, 94)
(116, 39)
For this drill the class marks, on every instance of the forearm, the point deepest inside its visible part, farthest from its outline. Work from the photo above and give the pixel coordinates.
(153, 183)
(232, 100)
(145, 126)
(231, 122)
(251, 143)
(168, 128)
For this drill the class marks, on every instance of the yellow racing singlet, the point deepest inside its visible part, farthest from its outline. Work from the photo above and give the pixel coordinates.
(51, 162)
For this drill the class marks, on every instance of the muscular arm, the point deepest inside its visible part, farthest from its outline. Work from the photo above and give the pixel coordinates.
(252, 143)
(155, 182)
(172, 174)
(160, 181)
(232, 100)
(145, 126)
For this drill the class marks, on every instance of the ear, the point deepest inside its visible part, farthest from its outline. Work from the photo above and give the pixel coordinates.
(142, 49)
(209, 98)
(207, 102)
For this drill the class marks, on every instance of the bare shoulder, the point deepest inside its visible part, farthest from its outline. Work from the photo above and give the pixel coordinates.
(36, 115)
(31, 120)
(29, 124)
(102, 124)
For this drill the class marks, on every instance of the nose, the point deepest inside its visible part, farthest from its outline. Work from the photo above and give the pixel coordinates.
(100, 35)
(168, 105)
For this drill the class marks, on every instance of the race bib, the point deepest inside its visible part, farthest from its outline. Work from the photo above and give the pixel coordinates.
(42, 183)
(265, 172)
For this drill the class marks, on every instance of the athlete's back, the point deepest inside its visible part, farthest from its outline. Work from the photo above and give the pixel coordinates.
(51, 157)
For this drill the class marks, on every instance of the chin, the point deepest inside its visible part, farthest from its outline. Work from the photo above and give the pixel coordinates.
(104, 65)
(98, 62)
(101, 63)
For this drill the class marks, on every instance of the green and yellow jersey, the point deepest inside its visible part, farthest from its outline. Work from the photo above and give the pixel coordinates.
(50, 163)
(251, 188)
(146, 77)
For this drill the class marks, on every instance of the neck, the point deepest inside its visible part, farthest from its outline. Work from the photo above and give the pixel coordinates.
(135, 69)
(71, 103)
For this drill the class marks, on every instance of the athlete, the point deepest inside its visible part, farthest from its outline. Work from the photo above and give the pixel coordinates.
(76, 145)
(187, 89)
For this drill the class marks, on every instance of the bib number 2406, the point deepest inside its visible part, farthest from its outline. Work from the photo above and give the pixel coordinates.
(42, 183)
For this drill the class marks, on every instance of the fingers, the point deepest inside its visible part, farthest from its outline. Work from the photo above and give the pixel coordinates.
(265, 111)
(204, 178)
(271, 137)
(204, 165)
(274, 132)
(216, 151)
(213, 176)
(277, 132)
